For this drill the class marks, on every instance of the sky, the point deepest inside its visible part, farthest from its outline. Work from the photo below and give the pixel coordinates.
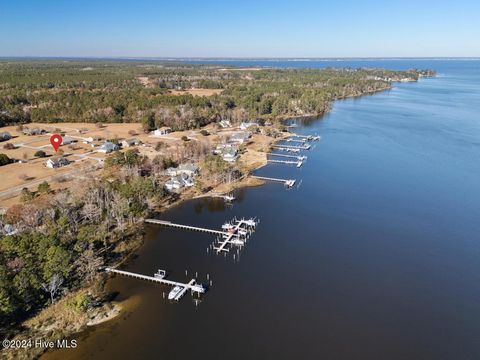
(268, 28)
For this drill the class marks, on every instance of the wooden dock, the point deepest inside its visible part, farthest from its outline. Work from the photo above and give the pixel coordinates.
(185, 227)
(307, 137)
(287, 162)
(303, 141)
(287, 182)
(297, 157)
(304, 147)
(278, 147)
(233, 234)
(191, 285)
(234, 237)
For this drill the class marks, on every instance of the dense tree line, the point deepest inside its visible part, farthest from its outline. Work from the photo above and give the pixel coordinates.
(95, 91)
(62, 238)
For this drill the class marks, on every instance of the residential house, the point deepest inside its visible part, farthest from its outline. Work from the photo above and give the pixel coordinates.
(220, 147)
(108, 147)
(246, 125)
(67, 140)
(240, 137)
(189, 169)
(174, 183)
(187, 180)
(130, 142)
(162, 131)
(8, 230)
(229, 154)
(57, 162)
(4, 136)
(33, 131)
(225, 124)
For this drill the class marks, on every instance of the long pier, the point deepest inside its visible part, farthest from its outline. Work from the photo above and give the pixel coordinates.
(303, 141)
(288, 162)
(191, 285)
(287, 182)
(297, 157)
(308, 137)
(285, 149)
(304, 147)
(185, 227)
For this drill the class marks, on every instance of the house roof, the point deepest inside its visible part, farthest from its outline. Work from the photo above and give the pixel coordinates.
(59, 160)
(109, 145)
(240, 136)
(131, 141)
(188, 167)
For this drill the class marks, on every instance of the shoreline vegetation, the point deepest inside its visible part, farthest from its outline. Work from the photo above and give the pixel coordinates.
(50, 287)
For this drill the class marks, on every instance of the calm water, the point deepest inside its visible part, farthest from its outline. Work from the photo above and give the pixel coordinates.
(375, 256)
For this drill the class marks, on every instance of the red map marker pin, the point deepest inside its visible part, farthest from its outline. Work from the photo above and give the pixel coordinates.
(56, 141)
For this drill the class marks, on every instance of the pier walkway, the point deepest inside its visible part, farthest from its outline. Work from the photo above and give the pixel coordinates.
(287, 182)
(304, 147)
(298, 157)
(191, 285)
(185, 227)
(288, 162)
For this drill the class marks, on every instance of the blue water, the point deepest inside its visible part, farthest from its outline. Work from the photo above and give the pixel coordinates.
(375, 256)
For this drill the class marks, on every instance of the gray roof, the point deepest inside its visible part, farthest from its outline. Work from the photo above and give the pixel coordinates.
(188, 167)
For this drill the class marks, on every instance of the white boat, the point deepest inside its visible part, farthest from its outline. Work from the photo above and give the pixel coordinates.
(175, 293)
(227, 226)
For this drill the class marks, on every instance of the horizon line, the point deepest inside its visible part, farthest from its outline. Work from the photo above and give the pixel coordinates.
(241, 58)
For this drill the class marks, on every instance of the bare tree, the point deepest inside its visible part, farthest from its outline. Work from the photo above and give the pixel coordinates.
(88, 264)
(53, 286)
(91, 212)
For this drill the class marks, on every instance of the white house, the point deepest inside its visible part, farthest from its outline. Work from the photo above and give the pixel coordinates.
(8, 230)
(173, 184)
(162, 131)
(246, 125)
(54, 163)
(130, 142)
(67, 140)
(108, 147)
(186, 180)
(240, 137)
(189, 169)
(225, 124)
(34, 131)
(229, 154)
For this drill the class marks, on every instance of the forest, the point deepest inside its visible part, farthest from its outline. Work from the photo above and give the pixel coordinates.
(135, 91)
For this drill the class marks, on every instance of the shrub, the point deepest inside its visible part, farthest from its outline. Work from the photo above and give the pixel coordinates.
(9, 146)
(44, 187)
(4, 160)
(26, 195)
(80, 303)
(184, 138)
(40, 154)
(204, 132)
